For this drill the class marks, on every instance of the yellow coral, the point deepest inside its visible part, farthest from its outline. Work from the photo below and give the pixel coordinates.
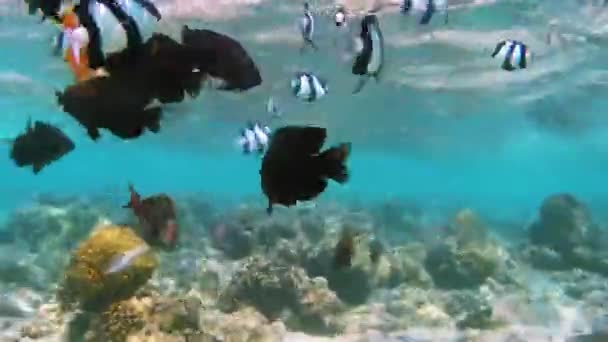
(84, 280)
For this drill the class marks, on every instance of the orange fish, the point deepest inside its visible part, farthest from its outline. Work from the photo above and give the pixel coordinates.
(77, 39)
(156, 215)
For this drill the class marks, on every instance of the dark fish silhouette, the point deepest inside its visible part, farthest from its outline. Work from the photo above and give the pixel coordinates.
(39, 146)
(166, 69)
(157, 217)
(49, 8)
(117, 104)
(294, 169)
(229, 61)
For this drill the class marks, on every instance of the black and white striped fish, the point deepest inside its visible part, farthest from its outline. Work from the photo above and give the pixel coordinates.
(369, 58)
(340, 16)
(424, 10)
(254, 137)
(308, 87)
(307, 28)
(514, 54)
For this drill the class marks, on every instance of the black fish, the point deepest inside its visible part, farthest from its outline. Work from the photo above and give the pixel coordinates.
(40, 145)
(224, 58)
(49, 8)
(167, 69)
(370, 59)
(114, 103)
(294, 169)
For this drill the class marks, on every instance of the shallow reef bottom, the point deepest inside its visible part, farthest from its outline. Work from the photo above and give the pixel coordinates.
(238, 274)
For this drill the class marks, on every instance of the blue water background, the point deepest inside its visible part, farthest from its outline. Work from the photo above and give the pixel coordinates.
(486, 154)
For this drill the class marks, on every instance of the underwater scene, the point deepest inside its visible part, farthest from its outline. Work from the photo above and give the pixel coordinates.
(303, 171)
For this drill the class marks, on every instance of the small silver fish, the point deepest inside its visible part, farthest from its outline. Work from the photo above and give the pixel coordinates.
(124, 260)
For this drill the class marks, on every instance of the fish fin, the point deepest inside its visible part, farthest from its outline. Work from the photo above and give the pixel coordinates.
(313, 45)
(497, 49)
(37, 168)
(59, 96)
(377, 77)
(150, 8)
(333, 160)
(133, 197)
(269, 208)
(360, 84)
(93, 133)
(306, 43)
(154, 114)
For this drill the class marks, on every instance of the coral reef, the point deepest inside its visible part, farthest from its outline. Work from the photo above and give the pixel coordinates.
(467, 257)
(308, 303)
(55, 224)
(564, 223)
(330, 273)
(86, 282)
(565, 236)
(121, 320)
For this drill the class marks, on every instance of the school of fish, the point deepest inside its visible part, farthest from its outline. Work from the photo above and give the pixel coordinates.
(124, 93)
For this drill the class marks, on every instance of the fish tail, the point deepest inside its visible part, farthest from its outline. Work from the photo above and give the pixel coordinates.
(313, 45)
(333, 162)
(59, 96)
(153, 116)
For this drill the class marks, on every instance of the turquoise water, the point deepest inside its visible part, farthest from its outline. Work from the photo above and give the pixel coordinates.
(444, 130)
(468, 140)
